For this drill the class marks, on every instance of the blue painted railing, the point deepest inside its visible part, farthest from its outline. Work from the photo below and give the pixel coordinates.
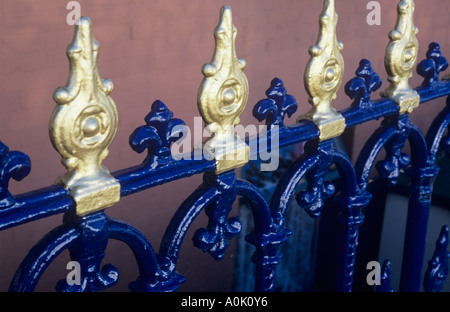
(86, 237)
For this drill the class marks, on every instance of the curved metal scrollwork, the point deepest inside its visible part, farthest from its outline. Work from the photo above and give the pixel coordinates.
(214, 239)
(266, 237)
(14, 165)
(86, 238)
(392, 135)
(313, 165)
(40, 256)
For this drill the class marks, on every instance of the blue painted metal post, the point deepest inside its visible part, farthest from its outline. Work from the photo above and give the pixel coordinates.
(89, 251)
(416, 228)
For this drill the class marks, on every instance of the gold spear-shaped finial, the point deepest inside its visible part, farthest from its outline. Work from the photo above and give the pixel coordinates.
(83, 125)
(222, 97)
(323, 76)
(401, 57)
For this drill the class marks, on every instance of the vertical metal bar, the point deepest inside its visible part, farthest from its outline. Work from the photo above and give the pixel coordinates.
(351, 219)
(350, 201)
(415, 241)
(422, 173)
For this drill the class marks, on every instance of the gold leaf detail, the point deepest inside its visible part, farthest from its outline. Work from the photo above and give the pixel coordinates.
(323, 76)
(83, 125)
(401, 57)
(222, 97)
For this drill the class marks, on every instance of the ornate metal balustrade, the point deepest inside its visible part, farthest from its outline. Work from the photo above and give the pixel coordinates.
(84, 123)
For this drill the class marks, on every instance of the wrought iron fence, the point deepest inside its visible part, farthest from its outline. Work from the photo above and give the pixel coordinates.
(84, 123)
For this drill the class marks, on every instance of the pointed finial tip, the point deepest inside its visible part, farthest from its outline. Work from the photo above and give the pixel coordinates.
(226, 8)
(225, 21)
(328, 12)
(84, 20)
(329, 5)
(83, 36)
(83, 25)
(225, 12)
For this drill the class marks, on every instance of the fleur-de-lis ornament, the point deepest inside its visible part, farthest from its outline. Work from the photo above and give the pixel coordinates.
(160, 131)
(361, 87)
(401, 57)
(323, 76)
(433, 65)
(277, 105)
(83, 125)
(222, 97)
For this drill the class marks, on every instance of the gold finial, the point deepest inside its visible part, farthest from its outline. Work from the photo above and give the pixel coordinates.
(323, 76)
(222, 97)
(83, 125)
(401, 57)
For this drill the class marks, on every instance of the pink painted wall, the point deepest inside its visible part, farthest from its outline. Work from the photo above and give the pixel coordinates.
(155, 50)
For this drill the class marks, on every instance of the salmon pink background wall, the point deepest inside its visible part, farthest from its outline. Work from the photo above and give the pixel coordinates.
(155, 50)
